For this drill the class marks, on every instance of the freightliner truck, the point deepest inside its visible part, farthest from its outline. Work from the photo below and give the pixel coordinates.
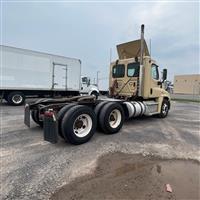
(135, 90)
(26, 73)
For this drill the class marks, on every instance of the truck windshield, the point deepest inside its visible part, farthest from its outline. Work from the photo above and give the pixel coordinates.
(118, 71)
(133, 69)
(84, 80)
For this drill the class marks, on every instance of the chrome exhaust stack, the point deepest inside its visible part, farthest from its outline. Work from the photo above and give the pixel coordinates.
(142, 44)
(141, 60)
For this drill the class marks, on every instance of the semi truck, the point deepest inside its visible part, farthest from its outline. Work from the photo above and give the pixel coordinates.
(135, 89)
(27, 73)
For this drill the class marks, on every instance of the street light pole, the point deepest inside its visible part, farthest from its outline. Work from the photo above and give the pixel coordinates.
(98, 78)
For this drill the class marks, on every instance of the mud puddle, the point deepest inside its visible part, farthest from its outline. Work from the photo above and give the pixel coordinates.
(123, 176)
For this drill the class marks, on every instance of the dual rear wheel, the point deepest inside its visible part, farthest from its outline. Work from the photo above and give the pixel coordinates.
(111, 117)
(77, 123)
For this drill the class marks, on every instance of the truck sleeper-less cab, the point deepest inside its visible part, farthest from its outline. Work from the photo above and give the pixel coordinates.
(87, 88)
(135, 90)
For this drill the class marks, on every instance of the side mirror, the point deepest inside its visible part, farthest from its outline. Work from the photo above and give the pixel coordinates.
(164, 75)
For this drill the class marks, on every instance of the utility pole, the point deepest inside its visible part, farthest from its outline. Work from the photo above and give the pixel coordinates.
(98, 78)
(110, 55)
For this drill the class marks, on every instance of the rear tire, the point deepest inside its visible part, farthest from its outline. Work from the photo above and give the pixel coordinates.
(97, 111)
(5, 98)
(60, 116)
(111, 118)
(35, 117)
(78, 124)
(35, 114)
(16, 98)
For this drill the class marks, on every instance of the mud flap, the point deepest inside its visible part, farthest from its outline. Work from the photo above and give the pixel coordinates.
(50, 129)
(27, 115)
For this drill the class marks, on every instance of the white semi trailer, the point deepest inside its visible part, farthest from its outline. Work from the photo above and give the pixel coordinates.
(27, 73)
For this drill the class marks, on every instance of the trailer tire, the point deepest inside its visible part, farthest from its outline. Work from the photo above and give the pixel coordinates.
(79, 124)
(16, 98)
(60, 116)
(164, 109)
(111, 118)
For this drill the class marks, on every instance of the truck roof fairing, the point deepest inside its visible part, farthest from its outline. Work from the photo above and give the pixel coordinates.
(131, 49)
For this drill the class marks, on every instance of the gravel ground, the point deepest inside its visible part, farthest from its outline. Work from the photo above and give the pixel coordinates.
(34, 169)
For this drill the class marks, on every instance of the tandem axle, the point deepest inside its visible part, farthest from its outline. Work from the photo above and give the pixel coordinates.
(75, 119)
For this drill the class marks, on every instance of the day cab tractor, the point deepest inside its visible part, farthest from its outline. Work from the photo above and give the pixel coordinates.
(135, 90)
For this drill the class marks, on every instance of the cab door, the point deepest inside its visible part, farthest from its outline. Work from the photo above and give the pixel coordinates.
(155, 81)
(117, 83)
(133, 78)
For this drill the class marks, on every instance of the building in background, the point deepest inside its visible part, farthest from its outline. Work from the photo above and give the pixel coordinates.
(187, 84)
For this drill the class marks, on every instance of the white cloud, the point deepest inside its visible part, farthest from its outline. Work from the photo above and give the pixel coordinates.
(89, 30)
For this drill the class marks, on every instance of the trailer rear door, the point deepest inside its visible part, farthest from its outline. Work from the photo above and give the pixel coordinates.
(59, 76)
(73, 75)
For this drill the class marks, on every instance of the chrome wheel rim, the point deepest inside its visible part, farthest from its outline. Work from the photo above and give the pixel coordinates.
(165, 109)
(17, 99)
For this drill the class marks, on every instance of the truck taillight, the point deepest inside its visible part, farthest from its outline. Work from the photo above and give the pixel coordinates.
(48, 113)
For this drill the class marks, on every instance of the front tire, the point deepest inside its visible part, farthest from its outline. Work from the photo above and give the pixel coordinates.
(78, 124)
(111, 118)
(164, 109)
(96, 94)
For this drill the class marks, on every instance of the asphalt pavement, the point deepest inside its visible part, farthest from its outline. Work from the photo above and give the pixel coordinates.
(32, 168)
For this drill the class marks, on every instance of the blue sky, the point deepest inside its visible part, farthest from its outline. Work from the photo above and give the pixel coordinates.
(88, 30)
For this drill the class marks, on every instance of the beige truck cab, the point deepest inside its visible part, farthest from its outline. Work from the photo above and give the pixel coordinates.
(133, 78)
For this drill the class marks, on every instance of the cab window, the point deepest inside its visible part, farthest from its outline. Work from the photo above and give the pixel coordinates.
(84, 80)
(154, 72)
(133, 69)
(118, 71)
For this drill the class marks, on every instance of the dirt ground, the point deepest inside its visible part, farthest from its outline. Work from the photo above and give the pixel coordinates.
(125, 176)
